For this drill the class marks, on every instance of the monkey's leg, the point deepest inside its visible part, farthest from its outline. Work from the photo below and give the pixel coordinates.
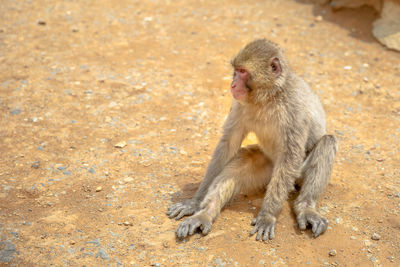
(227, 148)
(249, 170)
(316, 172)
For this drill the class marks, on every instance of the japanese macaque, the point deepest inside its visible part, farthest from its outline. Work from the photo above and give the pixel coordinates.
(289, 122)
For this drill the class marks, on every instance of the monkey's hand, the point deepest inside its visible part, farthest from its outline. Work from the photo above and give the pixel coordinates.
(310, 216)
(188, 227)
(264, 226)
(187, 207)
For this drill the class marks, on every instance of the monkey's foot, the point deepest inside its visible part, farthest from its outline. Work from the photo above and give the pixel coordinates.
(264, 226)
(310, 216)
(191, 224)
(187, 207)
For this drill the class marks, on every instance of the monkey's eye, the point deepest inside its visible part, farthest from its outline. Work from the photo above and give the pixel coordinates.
(241, 70)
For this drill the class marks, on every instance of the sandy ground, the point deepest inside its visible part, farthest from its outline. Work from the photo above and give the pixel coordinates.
(79, 77)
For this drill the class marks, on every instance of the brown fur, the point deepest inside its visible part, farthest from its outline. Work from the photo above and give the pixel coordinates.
(289, 122)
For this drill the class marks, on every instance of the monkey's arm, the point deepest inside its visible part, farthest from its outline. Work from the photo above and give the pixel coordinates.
(233, 135)
(228, 146)
(287, 168)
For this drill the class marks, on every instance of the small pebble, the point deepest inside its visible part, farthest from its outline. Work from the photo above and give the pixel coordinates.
(375, 236)
(120, 144)
(35, 165)
(15, 111)
(128, 179)
(127, 223)
(72, 242)
(332, 252)
(102, 253)
(318, 18)
(99, 188)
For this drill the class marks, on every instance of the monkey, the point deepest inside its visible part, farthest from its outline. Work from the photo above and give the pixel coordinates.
(272, 101)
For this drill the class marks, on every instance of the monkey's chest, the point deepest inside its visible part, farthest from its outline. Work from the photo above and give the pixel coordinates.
(268, 139)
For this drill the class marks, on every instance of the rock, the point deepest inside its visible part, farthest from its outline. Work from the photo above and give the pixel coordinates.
(126, 223)
(128, 179)
(112, 104)
(375, 236)
(387, 28)
(15, 111)
(338, 220)
(99, 188)
(60, 167)
(72, 242)
(120, 144)
(321, 2)
(35, 165)
(332, 252)
(318, 18)
(338, 4)
(102, 253)
(94, 241)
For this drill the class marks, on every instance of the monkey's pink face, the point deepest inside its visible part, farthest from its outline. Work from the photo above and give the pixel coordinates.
(239, 88)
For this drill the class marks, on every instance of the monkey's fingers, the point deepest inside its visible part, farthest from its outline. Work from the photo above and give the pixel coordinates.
(269, 232)
(259, 233)
(255, 229)
(272, 232)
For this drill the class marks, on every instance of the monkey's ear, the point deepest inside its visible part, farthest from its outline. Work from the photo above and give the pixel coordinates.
(276, 67)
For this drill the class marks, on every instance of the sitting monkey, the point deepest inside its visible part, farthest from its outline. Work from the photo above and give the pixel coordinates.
(289, 122)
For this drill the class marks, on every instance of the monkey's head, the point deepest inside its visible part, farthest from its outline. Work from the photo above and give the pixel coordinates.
(259, 72)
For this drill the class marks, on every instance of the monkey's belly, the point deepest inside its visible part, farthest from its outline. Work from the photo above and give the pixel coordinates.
(250, 139)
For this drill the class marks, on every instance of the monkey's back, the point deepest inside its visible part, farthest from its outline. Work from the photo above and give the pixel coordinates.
(311, 104)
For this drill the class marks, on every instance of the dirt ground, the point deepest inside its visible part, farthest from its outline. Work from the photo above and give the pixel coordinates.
(110, 111)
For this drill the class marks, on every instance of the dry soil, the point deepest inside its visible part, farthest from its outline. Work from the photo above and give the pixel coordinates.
(110, 111)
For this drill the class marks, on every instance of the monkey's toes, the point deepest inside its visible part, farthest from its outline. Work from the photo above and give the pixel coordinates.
(319, 227)
(318, 223)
